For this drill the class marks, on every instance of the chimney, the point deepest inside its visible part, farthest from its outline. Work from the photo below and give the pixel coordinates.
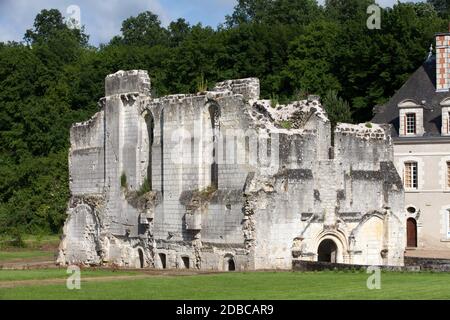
(443, 62)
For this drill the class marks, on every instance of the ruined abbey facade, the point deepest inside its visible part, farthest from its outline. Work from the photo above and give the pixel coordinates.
(222, 180)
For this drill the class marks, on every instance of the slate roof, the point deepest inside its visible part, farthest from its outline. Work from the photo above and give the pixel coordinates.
(421, 86)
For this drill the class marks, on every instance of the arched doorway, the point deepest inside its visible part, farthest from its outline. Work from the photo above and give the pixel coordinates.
(162, 258)
(141, 258)
(411, 233)
(185, 262)
(231, 265)
(327, 251)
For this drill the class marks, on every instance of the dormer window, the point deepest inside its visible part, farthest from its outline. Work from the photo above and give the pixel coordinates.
(411, 118)
(410, 123)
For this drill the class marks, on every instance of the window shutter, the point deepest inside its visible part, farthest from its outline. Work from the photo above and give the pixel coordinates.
(404, 125)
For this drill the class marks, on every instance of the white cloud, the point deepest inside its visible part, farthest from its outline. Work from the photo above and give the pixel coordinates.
(102, 19)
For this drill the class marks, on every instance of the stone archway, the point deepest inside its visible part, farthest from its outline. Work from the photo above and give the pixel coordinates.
(327, 251)
(162, 258)
(229, 263)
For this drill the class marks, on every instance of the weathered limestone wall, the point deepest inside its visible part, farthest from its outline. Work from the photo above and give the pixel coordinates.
(222, 180)
(354, 199)
(86, 156)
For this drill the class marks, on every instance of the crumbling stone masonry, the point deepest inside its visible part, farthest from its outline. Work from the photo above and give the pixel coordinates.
(222, 180)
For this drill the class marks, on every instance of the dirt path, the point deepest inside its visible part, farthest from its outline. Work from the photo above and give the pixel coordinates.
(26, 265)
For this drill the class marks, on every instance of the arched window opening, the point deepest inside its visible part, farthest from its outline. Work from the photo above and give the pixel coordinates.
(141, 258)
(214, 114)
(150, 132)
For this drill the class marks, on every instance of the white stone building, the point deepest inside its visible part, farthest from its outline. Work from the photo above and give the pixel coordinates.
(419, 114)
(222, 180)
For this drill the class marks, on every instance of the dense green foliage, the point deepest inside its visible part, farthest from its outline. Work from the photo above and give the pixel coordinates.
(55, 78)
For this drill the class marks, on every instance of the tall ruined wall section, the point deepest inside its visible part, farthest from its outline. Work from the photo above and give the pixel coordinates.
(352, 196)
(104, 214)
(221, 180)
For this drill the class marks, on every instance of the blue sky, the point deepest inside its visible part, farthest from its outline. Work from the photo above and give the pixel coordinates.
(103, 18)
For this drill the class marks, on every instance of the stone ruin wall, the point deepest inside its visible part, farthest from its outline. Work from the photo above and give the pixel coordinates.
(261, 215)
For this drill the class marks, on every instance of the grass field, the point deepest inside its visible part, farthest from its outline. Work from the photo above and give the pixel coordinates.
(35, 249)
(259, 285)
(19, 255)
(43, 274)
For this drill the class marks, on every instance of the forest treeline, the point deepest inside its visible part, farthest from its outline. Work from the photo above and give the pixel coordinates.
(54, 77)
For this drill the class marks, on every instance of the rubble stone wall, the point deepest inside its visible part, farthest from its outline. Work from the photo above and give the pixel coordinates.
(221, 180)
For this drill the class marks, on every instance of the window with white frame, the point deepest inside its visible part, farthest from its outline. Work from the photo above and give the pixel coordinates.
(410, 175)
(411, 123)
(448, 123)
(448, 223)
(448, 174)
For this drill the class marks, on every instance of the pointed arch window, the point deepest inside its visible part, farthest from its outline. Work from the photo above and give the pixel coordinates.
(214, 113)
(150, 132)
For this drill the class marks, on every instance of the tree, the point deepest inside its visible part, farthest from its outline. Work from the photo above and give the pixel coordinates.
(247, 11)
(299, 12)
(178, 31)
(347, 10)
(48, 24)
(312, 59)
(442, 7)
(144, 30)
(338, 109)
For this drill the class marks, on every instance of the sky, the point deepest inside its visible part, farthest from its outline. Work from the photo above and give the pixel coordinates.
(103, 18)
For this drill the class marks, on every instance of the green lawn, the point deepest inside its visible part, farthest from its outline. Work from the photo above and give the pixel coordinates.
(41, 274)
(18, 255)
(259, 285)
(37, 242)
(36, 248)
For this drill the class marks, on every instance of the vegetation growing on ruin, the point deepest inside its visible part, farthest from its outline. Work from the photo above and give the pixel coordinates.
(145, 188)
(207, 193)
(54, 78)
(338, 110)
(202, 85)
(123, 181)
(286, 124)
